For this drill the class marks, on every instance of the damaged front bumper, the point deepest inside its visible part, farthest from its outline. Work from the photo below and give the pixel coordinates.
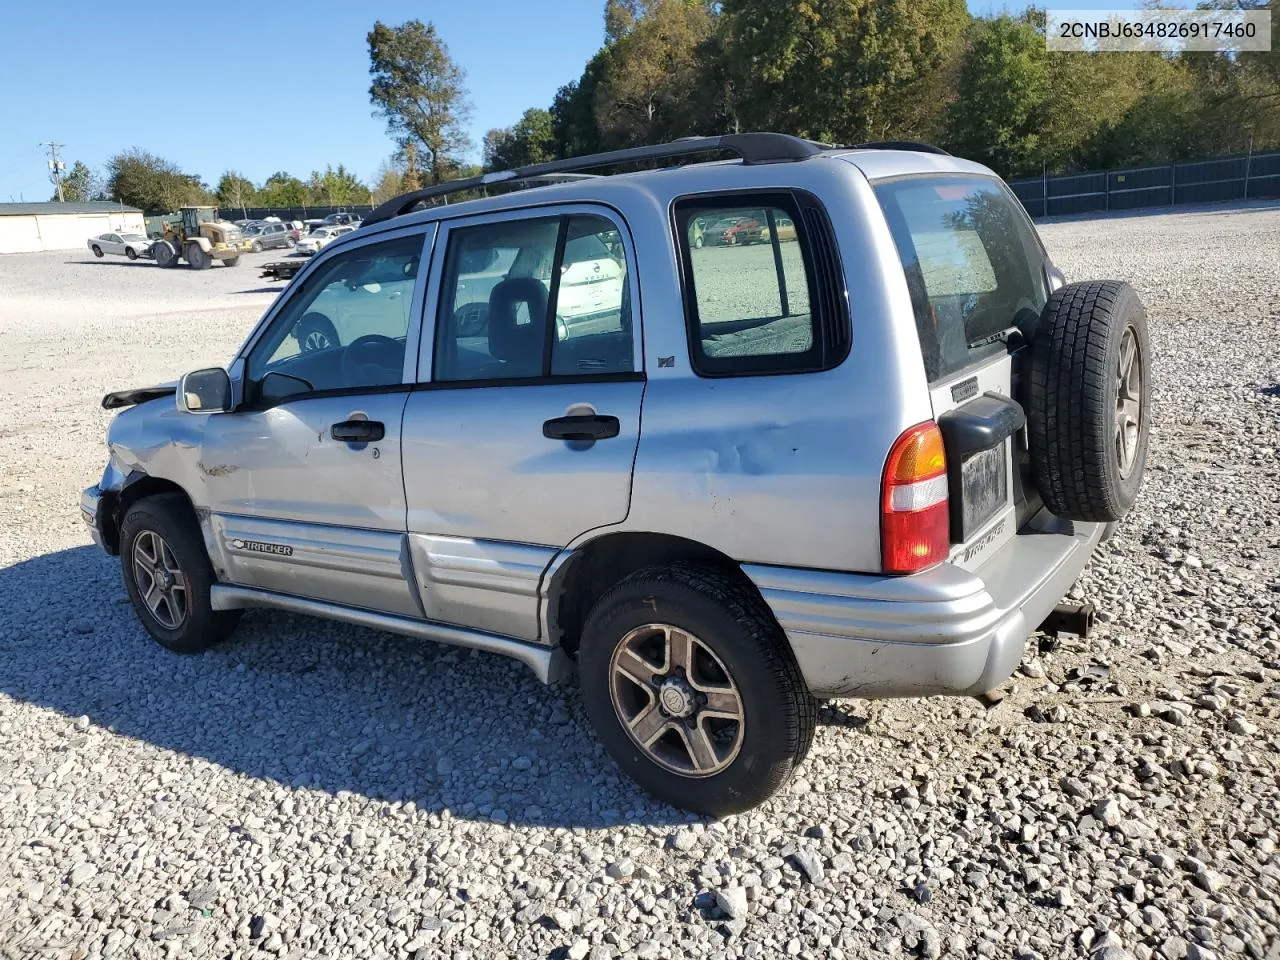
(942, 631)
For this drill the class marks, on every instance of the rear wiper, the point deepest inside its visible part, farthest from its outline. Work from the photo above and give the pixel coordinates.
(1000, 336)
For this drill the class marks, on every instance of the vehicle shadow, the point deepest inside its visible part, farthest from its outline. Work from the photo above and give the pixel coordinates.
(262, 289)
(310, 703)
(115, 262)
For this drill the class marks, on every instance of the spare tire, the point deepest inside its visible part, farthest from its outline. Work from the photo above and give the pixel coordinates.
(1089, 400)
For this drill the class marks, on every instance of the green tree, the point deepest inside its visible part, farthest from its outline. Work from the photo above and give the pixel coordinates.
(418, 89)
(144, 180)
(647, 91)
(1001, 90)
(336, 187)
(531, 140)
(79, 185)
(573, 111)
(389, 181)
(235, 191)
(839, 71)
(282, 190)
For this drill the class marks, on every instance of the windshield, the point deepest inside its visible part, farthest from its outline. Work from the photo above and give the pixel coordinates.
(132, 236)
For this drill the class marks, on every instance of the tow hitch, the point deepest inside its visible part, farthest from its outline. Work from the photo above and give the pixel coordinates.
(1074, 618)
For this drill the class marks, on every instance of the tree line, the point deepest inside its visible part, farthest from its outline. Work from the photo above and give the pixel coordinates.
(849, 71)
(834, 71)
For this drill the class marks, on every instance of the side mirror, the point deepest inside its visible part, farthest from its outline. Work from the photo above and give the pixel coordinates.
(205, 391)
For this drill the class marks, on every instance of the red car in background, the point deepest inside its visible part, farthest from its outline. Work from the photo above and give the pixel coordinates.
(732, 230)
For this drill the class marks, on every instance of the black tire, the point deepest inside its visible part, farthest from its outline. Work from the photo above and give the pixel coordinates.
(727, 617)
(164, 253)
(257, 246)
(131, 253)
(97, 250)
(315, 332)
(169, 515)
(1080, 467)
(196, 256)
(231, 262)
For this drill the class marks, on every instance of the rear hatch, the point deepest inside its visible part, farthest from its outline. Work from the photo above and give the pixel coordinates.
(976, 272)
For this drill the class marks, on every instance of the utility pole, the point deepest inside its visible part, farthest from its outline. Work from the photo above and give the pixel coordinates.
(56, 166)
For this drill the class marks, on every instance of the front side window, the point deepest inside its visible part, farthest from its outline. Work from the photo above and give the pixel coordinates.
(345, 328)
(750, 287)
(972, 263)
(534, 298)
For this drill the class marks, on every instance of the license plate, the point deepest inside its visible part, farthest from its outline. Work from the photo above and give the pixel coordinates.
(984, 482)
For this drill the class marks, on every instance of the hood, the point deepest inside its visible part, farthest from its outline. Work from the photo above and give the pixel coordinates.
(127, 398)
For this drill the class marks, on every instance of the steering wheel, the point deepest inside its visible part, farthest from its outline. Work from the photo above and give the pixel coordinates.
(373, 360)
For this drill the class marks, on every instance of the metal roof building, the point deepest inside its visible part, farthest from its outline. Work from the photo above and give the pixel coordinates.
(25, 227)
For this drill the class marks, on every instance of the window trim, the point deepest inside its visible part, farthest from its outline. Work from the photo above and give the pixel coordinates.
(425, 374)
(297, 288)
(827, 329)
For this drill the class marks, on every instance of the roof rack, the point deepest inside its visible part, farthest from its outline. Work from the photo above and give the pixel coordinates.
(914, 145)
(751, 147)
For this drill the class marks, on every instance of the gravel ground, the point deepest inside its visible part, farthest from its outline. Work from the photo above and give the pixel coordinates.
(316, 790)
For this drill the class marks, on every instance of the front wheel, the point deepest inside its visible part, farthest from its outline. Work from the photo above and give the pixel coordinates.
(257, 247)
(168, 575)
(131, 253)
(197, 257)
(692, 688)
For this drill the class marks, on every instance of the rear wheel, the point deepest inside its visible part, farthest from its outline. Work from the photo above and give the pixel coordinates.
(232, 261)
(196, 256)
(691, 687)
(97, 250)
(168, 575)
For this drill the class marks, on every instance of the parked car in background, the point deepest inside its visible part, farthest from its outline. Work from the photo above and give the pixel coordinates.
(731, 231)
(315, 241)
(131, 245)
(311, 226)
(785, 227)
(265, 235)
(341, 219)
(295, 229)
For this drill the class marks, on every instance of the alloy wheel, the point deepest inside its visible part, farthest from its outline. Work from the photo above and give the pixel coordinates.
(160, 581)
(676, 700)
(1128, 401)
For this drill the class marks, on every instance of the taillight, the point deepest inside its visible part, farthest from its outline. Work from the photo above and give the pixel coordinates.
(915, 527)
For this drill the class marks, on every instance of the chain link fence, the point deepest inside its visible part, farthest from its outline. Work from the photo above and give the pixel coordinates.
(1249, 177)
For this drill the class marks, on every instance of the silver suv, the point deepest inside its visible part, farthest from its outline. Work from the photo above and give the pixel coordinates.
(864, 454)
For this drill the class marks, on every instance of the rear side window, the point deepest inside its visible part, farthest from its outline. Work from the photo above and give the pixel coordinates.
(763, 289)
(972, 262)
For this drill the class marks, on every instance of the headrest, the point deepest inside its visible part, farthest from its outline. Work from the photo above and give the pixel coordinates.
(520, 343)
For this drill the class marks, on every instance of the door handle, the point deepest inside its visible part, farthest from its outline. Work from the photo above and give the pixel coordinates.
(585, 427)
(358, 431)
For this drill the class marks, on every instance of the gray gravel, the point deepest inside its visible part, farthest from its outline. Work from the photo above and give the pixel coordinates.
(316, 790)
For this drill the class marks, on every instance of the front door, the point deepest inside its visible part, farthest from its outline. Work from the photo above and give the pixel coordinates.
(525, 436)
(304, 478)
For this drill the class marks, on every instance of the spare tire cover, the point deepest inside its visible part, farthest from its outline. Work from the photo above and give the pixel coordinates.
(1089, 413)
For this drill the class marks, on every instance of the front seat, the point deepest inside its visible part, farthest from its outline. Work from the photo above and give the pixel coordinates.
(517, 338)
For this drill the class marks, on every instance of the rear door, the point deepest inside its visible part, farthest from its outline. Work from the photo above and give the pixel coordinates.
(523, 433)
(975, 270)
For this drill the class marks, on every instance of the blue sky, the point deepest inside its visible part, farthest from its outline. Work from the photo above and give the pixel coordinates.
(262, 86)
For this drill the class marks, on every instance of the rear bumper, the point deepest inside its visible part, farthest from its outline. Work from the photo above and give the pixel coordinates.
(943, 631)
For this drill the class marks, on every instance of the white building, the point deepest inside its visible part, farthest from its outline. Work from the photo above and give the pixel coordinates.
(62, 226)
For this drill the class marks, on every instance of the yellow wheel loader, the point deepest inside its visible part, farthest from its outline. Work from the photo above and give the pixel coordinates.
(199, 238)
